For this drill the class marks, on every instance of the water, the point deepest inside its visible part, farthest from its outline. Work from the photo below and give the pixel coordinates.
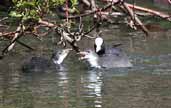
(146, 85)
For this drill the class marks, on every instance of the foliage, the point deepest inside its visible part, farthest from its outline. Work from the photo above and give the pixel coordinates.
(35, 9)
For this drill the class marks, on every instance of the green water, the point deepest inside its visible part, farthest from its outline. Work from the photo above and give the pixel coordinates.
(146, 85)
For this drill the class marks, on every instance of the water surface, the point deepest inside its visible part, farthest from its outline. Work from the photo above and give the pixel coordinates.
(146, 85)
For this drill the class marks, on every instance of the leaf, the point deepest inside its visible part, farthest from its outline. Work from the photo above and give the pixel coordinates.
(74, 2)
(26, 4)
(15, 14)
(58, 2)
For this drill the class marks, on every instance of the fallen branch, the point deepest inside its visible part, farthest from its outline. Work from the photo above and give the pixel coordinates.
(114, 14)
(153, 12)
(14, 36)
(86, 2)
(64, 35)
(3, 19)
(169, 1)
(48, 24)
(8, 35)
(17, 35)
(135, 18)
(92, 12)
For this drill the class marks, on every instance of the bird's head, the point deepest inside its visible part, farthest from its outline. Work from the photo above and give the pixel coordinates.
(91, 57)
(60, 55)
(99, 46)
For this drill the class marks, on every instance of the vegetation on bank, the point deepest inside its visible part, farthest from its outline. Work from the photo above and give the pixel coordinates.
(66, 18)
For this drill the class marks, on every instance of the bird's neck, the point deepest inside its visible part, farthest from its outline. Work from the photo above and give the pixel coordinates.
(58, 62)
(101, 51)
(94, 62)
(60, 59)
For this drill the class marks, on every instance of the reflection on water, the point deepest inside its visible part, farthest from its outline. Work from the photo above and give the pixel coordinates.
(93, 87)
(146, 85)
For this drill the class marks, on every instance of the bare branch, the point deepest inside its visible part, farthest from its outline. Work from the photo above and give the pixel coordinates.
(136, 19)
(17, 35)
(153, 12)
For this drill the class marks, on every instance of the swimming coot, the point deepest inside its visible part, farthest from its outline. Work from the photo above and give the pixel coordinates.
(42, 64)
(105, 57)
